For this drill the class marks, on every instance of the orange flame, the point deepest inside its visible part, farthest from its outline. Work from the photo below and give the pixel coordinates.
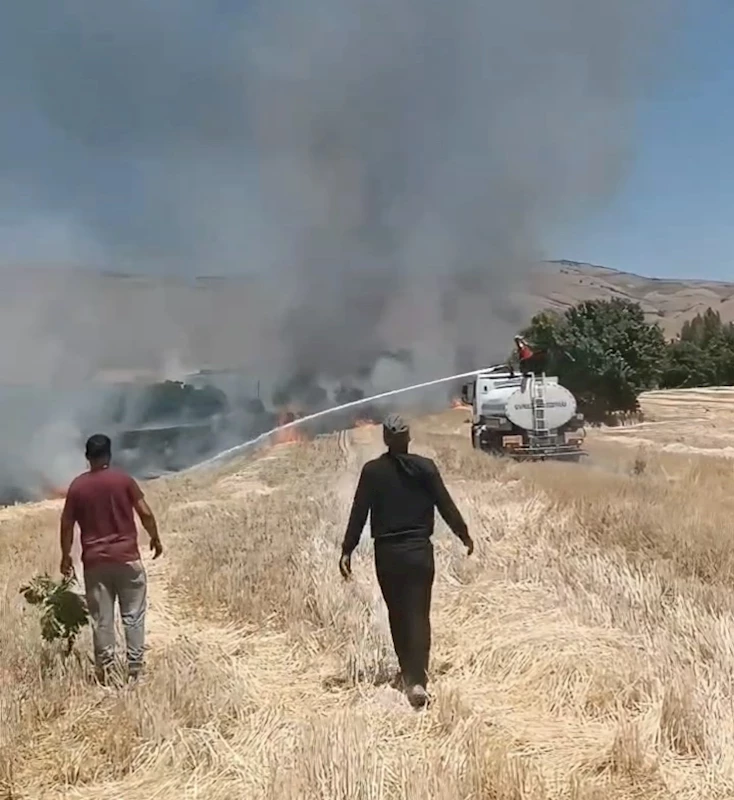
(52, 492)
(364, 423)
(289, 435)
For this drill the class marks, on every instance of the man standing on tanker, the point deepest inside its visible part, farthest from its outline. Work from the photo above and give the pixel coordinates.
(102, 502)
(531, 360)
(400, 490)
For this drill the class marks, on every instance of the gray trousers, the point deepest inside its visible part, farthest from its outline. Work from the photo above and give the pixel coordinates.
(126, 583)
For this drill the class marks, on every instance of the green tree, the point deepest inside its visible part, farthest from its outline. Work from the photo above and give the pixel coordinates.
(703, 355)
(707, 330)
(604, 351)
(686, 364)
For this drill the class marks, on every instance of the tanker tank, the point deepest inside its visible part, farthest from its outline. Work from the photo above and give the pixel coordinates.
(524, 416)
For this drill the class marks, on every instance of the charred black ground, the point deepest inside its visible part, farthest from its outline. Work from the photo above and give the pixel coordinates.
(169, 426)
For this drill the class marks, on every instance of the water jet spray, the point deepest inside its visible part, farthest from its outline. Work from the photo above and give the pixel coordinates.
(240, 449)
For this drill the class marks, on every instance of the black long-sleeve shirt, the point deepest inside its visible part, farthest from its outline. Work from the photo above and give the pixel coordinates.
(400, 492)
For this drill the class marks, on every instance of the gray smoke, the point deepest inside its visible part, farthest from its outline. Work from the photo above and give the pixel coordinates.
(405, 142)
(377, 174)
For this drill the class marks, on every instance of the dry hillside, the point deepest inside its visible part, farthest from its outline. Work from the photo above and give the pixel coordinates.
(669, 302)
(584, 651)
(179, 316)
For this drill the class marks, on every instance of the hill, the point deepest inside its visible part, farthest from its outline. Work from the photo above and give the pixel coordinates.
(37, 304)
(582, 653)
(560, 284)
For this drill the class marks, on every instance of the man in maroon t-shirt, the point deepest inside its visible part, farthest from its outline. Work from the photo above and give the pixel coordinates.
(102, 502)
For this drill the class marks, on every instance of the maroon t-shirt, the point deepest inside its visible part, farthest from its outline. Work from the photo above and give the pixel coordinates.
(102, 503)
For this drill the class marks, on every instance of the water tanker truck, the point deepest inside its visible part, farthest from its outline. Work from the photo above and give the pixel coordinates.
(524, 416)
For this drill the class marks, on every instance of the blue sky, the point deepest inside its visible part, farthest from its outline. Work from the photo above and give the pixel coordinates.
(674, 213)
(104, 142)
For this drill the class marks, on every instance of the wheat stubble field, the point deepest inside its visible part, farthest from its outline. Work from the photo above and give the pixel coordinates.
(585, 651)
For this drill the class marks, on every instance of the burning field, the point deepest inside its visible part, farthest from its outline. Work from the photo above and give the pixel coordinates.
(164, 428)
(580, 654)
(288, 430)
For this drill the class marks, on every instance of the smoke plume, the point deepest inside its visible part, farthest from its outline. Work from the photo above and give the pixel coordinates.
(376, 174)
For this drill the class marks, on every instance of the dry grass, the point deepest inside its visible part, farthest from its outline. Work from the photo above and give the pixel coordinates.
(685, 421)
(584, 652)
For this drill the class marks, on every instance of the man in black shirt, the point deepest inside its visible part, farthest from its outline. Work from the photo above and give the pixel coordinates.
(399, 490)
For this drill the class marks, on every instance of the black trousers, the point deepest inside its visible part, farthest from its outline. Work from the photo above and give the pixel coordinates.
(405, 571)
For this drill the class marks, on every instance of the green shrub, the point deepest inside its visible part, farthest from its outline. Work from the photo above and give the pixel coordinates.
(63, 611)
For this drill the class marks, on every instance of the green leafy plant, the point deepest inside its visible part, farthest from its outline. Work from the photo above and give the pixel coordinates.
(63, 611)
(604, 351)
(607, 353)
(703, 354)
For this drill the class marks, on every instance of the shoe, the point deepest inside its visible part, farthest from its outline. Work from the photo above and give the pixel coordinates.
(397, 681)
(104, 674)
(417, 696)
(135, 675)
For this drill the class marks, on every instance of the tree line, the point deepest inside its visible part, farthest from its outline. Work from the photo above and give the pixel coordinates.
(607, 353)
